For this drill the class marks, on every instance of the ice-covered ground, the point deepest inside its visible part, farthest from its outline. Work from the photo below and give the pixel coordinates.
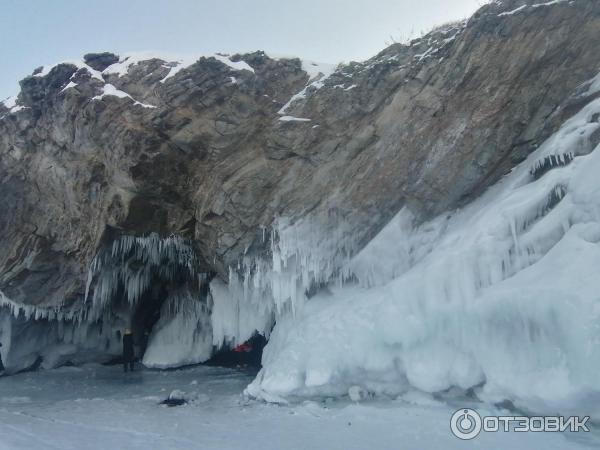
(98, 407)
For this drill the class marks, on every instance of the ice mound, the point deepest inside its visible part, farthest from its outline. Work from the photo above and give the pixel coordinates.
(500, 297)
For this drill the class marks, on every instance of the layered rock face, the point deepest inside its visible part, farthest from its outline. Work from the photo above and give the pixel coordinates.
(214, 150)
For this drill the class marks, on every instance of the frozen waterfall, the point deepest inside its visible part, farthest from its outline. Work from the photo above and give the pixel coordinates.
(493, 297)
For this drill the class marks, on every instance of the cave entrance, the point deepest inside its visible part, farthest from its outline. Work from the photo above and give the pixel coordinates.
(248, 354)
(146, 314)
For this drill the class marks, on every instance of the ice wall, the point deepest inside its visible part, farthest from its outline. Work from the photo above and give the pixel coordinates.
(261, 291)
(183, 333)
(501, 296)
(52, 339)
(120, 275)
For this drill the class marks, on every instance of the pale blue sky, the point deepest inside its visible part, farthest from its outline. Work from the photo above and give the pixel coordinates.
(38, 32)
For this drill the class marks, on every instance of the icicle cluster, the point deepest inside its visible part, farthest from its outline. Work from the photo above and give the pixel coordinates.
(33, 312)
(302, 257)
(549, 162)
(54, 334)
(132, 263)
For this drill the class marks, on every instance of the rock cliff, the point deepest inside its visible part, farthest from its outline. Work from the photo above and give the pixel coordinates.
(213, 150)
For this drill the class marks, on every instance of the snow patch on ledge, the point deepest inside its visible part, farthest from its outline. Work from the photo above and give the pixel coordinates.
(524, 7)
(110, 90)
(293, 119)
(68, 86)
(553, 2)
(77, 63)
(514, 11)
(10, 102)
(317, 74)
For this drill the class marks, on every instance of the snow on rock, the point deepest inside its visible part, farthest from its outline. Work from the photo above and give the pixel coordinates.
(77, 63)
(174, 62)
(317, 74)
(293, 119)
(514, 11)
(524, 7)
(10, 102)
(495, 297)
(69, 85)
(235, 65)
(553, 2)
(110, 90)
(317, 70)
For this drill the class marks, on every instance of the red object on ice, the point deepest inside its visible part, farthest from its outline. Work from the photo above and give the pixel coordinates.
(243, 348)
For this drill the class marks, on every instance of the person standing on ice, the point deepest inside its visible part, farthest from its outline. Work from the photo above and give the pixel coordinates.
(128, 352)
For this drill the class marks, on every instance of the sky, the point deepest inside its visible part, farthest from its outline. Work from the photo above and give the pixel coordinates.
(38, 32)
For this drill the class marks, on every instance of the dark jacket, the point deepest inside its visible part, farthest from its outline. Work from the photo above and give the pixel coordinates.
(128, 353)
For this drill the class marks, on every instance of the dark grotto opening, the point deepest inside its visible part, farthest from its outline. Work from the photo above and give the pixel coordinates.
(147, 313)
(248, 354)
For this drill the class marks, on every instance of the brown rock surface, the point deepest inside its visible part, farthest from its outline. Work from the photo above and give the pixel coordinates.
(430, 125)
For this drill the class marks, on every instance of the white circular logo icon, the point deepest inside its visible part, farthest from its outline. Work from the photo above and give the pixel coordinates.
(465, 424)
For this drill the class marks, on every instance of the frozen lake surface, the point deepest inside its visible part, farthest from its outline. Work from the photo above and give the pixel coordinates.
(97, 407)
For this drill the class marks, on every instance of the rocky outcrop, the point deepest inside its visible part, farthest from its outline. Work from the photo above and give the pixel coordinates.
(213, 151)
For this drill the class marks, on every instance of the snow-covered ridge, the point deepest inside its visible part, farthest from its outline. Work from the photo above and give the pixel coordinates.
(174, 62)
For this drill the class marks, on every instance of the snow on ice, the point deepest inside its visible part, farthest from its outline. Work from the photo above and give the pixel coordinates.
(97, 407)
